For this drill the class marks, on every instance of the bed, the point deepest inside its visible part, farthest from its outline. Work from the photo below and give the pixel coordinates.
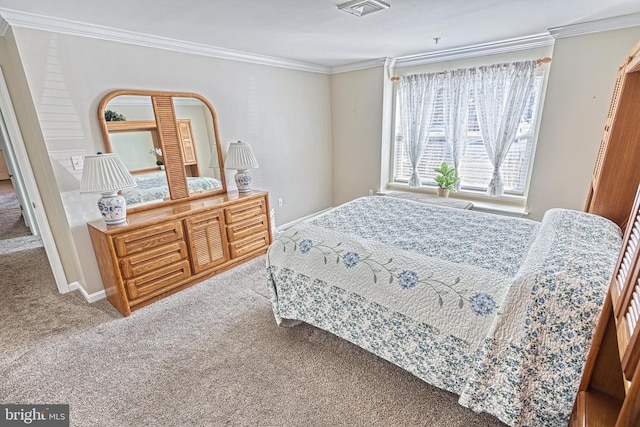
(496, 309)
(153, 186)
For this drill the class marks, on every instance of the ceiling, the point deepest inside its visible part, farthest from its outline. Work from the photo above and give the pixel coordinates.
(316, 32)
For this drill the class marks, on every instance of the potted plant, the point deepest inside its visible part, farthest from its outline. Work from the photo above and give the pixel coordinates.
(112, 116)
(446, 180)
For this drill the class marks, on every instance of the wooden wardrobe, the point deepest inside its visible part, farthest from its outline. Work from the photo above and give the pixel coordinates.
(617, 174)
(609, 392)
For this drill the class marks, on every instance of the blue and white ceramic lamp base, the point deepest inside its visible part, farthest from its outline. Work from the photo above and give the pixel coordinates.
(243, 181)
(113, 208)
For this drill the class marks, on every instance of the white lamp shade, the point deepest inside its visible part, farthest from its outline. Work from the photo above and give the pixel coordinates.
(105, 173)
(240, 156)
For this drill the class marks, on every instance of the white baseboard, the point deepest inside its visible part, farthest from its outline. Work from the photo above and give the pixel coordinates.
(299, 220)
(96, 296)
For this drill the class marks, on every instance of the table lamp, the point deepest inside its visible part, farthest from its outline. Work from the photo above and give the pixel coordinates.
(106, 174)
(240, 157)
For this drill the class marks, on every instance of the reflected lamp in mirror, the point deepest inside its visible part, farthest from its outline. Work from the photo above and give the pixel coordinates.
(106, 174)
(240, 157)
(214, 163)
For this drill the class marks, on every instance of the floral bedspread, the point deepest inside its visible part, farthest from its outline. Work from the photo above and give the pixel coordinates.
(496, 309)
(153, 186)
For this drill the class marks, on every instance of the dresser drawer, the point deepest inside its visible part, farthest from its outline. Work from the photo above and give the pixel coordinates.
(246, 210)
(156, 280)
(249, 244)
(251, 226)
(153, 259)
(148, 237)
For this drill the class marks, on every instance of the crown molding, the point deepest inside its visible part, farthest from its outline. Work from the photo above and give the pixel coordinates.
(39, 22)
(511, 45)
(355, 66)
(589, 27)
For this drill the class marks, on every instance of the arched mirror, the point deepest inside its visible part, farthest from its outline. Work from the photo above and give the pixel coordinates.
(169, 141)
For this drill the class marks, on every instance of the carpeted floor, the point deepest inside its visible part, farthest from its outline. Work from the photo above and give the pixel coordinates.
(11, 223)
(210, 355)
(14, 234)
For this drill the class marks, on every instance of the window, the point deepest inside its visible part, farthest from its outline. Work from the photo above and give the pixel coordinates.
(475, 168)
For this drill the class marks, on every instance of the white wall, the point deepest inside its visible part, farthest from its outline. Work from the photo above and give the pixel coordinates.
(356, 116)
(284, 114)
(579, 90)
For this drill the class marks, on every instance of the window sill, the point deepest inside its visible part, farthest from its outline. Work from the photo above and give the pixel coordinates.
(499, 208)
(506, 205)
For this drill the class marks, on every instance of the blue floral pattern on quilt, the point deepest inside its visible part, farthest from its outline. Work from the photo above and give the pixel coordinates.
(498, 310)
(490, 241)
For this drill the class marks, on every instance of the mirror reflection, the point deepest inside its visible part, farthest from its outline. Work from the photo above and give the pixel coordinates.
(172, 153)
(198, 142)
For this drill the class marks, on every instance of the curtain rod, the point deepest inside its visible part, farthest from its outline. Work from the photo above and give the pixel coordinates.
(539, 62)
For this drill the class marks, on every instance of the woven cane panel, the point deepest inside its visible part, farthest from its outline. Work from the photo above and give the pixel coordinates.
(607, 128)
(616, 94)
(188, 146)
(171, 147)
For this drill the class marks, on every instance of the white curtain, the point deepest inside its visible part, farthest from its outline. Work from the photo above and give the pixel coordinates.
(500, 94)
(416, 96)
(457, 86)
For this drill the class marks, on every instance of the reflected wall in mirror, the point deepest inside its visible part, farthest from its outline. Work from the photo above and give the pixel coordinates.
(168, 140)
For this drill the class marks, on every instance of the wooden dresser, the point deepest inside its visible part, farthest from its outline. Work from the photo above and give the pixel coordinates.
(160, 251)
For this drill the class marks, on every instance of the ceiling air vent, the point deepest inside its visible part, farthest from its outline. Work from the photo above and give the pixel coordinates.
(363, 7)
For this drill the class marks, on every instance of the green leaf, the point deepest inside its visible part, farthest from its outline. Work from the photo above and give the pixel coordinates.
(390, 279)
(325, 259)
(440, 303)
(375, 278)
(460, 303)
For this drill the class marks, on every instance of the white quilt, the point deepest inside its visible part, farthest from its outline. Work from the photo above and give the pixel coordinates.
(498, 310)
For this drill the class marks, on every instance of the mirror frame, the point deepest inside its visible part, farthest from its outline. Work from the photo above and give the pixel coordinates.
(167, 128)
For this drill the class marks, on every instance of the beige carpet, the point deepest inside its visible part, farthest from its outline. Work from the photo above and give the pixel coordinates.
(211, 355)
(11, 223)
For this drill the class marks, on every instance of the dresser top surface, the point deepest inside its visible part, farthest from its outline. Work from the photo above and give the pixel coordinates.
(168, 211)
